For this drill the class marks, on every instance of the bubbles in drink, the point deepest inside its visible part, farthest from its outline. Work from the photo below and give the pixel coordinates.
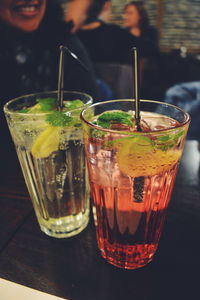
(50, 148)
(132, 175)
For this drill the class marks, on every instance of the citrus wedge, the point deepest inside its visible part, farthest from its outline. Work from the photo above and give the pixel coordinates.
(46, 142)
(140, 157)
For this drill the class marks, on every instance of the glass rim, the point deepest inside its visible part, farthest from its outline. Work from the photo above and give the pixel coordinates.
(8, 111)
(187, 121)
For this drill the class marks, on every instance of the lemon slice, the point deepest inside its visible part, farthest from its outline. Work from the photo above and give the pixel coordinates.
(139, 157)
(46, 143)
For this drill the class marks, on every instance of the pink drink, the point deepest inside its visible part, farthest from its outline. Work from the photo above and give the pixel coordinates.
(131, 180)
(128, 232)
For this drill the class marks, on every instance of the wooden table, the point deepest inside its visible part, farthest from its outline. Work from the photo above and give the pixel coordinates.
(73, 268)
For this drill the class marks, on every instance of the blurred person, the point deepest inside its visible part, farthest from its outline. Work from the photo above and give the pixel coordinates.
(106, 13)
(31, 32)
(76, 11)
(186, 95)
(136, 21)
(106, 42)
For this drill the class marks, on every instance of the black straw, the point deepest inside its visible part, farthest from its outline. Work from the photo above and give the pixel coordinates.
(138, 182)
(61, 73)
(136, 89)
(61, 79)
(76, 58)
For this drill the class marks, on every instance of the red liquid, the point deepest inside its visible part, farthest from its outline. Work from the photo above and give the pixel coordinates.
(128, 232)
(131, 183)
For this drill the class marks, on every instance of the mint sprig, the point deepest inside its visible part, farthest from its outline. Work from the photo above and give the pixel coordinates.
(47, 104)
(50, 104)
(55, 117)
(23, 110)
(70, 105)
(166, 142)
(107, 119)
(42, 105)
(59, 118)
(163, 143)
(138, 138)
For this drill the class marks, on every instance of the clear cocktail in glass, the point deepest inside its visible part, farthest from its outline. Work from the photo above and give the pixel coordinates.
(132, 174)
(50, 149)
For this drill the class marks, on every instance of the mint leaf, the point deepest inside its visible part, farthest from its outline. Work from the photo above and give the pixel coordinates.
(59, 118)
(97, 134)
(165, 147)
(47, 104)
(180, 133)
(107, 119)
(73, 104)
(139, 139)
(163, 138)
(23, 110)
(166, 142)
(42, 105)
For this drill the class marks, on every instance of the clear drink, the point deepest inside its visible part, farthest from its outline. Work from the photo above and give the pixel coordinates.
(51, 153)
(132, 176)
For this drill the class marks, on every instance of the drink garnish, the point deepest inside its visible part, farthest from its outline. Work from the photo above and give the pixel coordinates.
(59, 118)
(70, 105)
(42, 105)
(46, 143)
(50, 104)
(64, 118)
(165, 142)
(108, 119)
(162, 142)
(46, 104)
(141, 157)
(49, 139)
(112, 120)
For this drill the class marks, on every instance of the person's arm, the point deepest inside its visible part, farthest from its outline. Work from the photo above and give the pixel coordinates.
(76, 11)
(186, 96)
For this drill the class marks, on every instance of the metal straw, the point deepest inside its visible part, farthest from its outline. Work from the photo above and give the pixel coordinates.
(136, 89)
(61, 79)
(61, 73)
(138, 182)
(76, 58)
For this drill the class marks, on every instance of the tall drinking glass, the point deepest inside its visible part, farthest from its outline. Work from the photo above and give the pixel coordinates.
(132, 174)
(50, 149)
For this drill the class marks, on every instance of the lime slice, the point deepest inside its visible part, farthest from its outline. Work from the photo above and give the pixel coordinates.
(46, 143)
(139, 157)
(34, 109)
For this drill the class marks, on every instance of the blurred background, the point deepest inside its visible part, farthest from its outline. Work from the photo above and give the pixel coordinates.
(178, 24)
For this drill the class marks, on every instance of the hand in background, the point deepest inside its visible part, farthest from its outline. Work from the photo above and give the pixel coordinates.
(76, 11)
